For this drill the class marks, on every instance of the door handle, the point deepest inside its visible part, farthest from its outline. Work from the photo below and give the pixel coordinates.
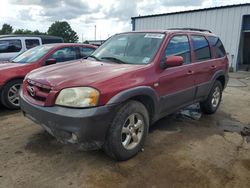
(190, 72)
(213, 67)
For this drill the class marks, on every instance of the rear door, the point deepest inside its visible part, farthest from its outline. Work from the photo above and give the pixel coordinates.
(176, 84)
(203, 64)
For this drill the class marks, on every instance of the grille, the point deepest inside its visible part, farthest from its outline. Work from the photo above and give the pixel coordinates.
(37, 91)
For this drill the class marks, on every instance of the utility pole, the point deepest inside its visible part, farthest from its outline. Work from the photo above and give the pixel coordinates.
(95, 32)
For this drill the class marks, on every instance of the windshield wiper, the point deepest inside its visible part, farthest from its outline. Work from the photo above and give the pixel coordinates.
(94, 57)
(114, 59)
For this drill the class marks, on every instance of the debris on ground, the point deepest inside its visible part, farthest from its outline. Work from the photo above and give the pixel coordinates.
(191, 112)
(235, 126)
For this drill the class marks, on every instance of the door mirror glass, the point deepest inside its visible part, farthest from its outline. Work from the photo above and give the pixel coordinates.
(50, 61)
(173, 61)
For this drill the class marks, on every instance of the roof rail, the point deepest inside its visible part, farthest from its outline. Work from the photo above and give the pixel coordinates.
(191, 29)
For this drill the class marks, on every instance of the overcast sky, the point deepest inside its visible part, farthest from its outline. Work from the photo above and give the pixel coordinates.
(109, 16)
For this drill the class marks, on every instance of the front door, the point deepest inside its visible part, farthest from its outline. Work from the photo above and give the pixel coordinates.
(176, 84)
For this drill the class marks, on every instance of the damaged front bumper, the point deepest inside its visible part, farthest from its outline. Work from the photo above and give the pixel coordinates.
(87, 127)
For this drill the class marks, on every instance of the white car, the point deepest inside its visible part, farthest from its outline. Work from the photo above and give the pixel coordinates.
(13, 45)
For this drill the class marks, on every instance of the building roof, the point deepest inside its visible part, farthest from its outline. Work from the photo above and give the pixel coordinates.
(190, 11)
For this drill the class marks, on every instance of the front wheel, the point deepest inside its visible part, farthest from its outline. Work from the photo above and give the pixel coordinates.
(128, 131)
(10, 94)
(211, 104)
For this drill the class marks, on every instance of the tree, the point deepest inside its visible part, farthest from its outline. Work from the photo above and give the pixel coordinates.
(64, 30)
(23, 32)
(36, 32)
(6, 29)
(28, 32)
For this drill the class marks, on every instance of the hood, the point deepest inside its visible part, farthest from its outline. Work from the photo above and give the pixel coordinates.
(79, 73)
(8, 65)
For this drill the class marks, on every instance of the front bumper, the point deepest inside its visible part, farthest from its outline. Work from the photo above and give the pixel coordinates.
(86, 126)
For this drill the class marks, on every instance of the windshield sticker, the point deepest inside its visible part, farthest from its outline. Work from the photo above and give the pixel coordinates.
(154, 35)
(146, 60)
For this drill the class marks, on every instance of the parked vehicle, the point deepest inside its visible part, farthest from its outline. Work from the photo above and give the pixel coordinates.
(127, 84)
(13, 72)
(13, 45)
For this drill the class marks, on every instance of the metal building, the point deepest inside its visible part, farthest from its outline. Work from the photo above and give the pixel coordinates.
(231, 23)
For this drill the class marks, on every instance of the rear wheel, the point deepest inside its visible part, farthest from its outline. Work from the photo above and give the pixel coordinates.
(10, 94)
(211, 104)
(128, 131)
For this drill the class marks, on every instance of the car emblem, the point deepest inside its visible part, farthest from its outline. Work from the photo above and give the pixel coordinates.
(31, 90)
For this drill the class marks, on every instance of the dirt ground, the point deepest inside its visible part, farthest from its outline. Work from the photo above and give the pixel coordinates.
(179, 152)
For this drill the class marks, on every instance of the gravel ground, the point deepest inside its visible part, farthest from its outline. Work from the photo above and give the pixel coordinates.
(179, 152)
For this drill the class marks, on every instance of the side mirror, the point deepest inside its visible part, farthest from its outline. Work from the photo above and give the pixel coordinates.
(50, 61)
(174, 61)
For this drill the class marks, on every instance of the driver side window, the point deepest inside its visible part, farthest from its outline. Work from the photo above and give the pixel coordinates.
(179, 46)
(64, 54)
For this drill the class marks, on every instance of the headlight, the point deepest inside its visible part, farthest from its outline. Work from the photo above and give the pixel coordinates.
(78, 97)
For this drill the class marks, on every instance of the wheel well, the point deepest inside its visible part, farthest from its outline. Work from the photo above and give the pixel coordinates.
(222, 80)
(12, 79)
(148, 103)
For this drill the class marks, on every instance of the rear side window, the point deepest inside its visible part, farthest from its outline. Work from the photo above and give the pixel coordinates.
(30, 43)
(85, 52)
(10, 46)
(64, 54)
(217, 46)
(179, 46)
(201, 48)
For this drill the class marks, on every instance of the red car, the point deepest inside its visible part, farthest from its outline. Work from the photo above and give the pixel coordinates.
(127, 84)
(12, 73)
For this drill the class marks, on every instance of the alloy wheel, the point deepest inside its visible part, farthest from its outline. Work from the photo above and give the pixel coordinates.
(216, 97)
(13, 94)
(132, 131)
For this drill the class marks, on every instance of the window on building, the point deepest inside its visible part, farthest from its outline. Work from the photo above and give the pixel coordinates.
(30, 43)
(217, 46)
(64, 54)
(201, 48)
(179, 46)
(10, 46)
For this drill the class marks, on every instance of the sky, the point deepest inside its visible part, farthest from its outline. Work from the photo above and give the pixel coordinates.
(109, 16)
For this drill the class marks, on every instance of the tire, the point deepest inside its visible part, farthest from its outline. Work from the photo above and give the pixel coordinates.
(127, 132)
(211, 104)
(10, 94)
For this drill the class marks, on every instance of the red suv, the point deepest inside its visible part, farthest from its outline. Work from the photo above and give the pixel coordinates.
(13, 72)
(132, 80)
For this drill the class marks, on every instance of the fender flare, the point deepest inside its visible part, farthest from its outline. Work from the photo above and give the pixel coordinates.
(216, 76)
(133, 92)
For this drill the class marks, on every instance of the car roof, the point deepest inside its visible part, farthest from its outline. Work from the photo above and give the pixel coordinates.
(40, 36)
(176, 30)
(60, 45)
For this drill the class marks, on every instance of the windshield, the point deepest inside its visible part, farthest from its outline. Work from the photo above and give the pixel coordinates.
(130, 48)
(32, 55)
